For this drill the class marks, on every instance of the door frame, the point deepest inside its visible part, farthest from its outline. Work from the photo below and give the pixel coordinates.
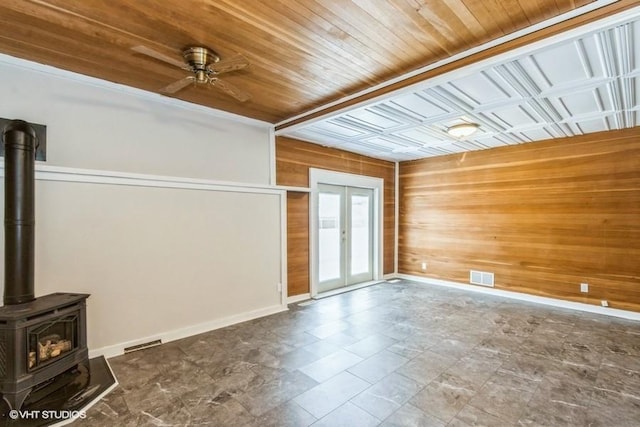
(322, 176)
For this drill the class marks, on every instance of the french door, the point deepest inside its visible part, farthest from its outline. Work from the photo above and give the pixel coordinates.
(345, 236)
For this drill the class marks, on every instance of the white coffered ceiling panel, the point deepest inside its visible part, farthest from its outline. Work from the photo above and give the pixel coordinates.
(337, 128)
(587, 82)
(417, 106)
(485, 87)
(515, 117)
(562, 66)
(372, 120)
(538, 134)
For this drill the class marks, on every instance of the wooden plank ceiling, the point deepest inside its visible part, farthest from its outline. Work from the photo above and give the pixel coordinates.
(303, 54)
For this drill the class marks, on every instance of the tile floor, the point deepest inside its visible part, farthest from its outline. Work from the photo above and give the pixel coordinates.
(393, 354)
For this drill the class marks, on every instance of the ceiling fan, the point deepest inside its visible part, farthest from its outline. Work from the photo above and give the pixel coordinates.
(205, 65)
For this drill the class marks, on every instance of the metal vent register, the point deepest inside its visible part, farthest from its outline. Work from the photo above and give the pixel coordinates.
(481, 278)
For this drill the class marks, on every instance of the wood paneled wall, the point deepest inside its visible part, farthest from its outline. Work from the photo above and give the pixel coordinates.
(297, 243)
(293, 160)
(544, 217)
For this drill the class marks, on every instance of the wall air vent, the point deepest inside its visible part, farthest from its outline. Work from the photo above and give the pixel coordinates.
(481, 278)
(142, 346)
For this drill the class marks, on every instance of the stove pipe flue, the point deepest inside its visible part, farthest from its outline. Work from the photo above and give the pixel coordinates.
(19, 212)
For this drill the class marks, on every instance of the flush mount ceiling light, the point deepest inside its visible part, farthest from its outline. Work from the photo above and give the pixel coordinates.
(463, 130)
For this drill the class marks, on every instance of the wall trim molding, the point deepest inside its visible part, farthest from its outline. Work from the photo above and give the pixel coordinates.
(176, 334)
(553, 302)
(94, 176)
(283, 285)
(396, 222)
(272, 157)
(294, 189)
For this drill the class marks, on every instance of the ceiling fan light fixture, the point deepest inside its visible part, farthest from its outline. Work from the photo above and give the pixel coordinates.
(205, 65)
(463, 130)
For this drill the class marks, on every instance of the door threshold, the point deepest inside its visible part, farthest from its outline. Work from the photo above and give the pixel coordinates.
(349, 288)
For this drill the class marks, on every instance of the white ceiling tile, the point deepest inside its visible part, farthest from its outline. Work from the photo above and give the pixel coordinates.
(634, 89)
(445, 149)
(562, 64)
(492, 141)
(581, 103)
(481, 88)
(418, 105)
(594, 125)
(422, 135)
(306, 135)
(406, 150)
(536, 134)
(465, 146)
(367, 148)
(371, 119)
(635, 44)
(516, 116)
(451, 101)
(317, 138)
(592, 50)
(525, 76)
(331, 127)
(383, 143)
(623, 49)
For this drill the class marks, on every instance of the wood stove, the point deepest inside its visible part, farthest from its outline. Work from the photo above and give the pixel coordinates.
(40, 340)
(43, 337)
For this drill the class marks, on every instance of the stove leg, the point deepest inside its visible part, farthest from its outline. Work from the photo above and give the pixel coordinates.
(15, 400)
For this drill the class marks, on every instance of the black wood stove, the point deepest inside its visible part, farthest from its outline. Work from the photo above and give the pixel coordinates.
(40, 338)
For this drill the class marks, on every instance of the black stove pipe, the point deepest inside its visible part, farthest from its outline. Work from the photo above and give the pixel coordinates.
(19, 212)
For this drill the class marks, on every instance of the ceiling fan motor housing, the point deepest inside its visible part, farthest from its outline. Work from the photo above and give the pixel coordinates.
(199, 59)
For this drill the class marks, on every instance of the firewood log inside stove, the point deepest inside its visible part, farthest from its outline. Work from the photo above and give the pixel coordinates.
(48, 348)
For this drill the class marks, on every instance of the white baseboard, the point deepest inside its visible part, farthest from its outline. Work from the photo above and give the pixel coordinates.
(168, 336)
(625, 314)
(176, 334)
(297, 298)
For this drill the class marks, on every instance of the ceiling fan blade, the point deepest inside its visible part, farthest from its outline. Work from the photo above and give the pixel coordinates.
(178, 85)
(231, 89)
(236, 62)
(157, 55)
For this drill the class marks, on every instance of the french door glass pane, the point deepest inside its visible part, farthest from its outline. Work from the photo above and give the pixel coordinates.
(360, 234)
(329, 236)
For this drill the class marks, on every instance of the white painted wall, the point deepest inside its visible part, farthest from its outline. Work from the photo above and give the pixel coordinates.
(93, 124)
(160, 260)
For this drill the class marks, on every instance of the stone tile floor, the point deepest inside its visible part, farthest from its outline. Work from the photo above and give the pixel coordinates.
(393, 354)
